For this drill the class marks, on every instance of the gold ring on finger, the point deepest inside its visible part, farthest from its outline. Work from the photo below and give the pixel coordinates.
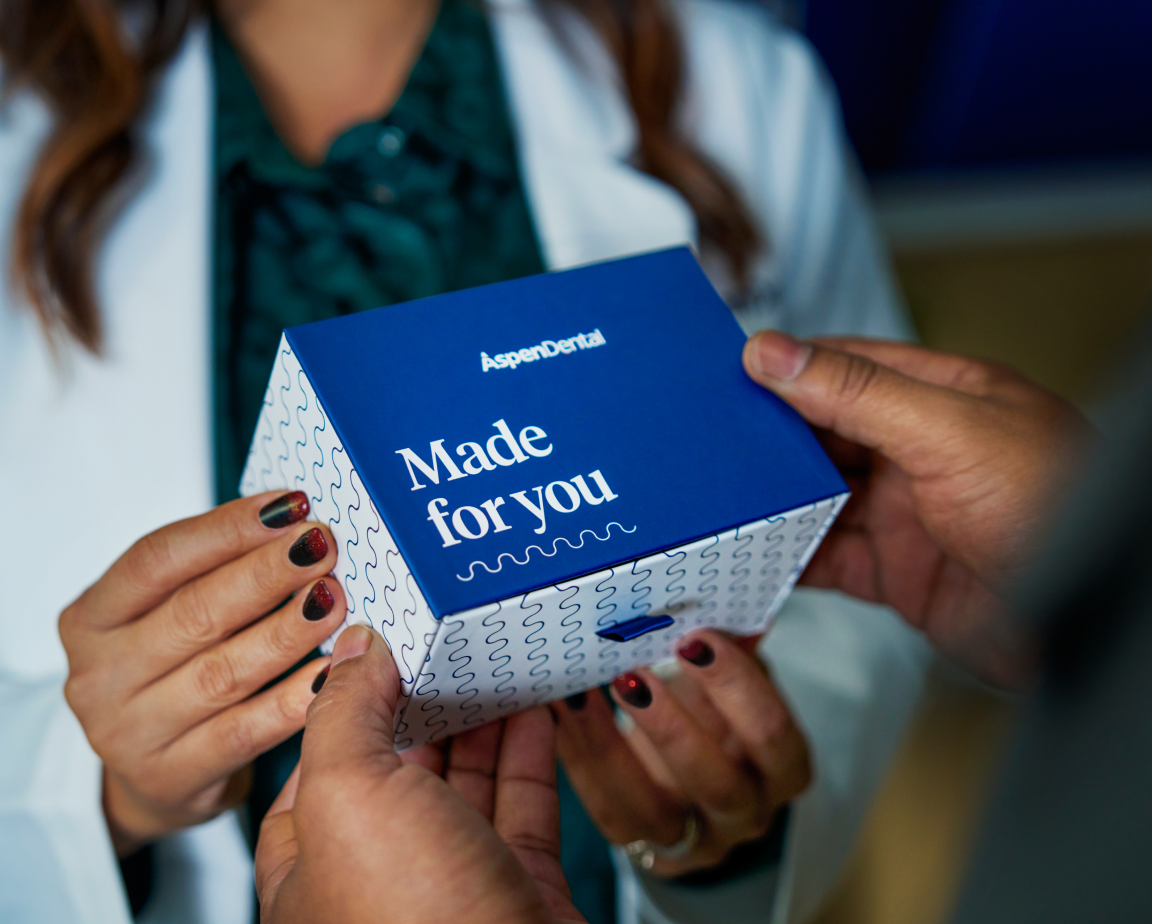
(644, 854)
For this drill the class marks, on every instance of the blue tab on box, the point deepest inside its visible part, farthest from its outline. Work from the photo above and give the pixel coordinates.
(511, 438)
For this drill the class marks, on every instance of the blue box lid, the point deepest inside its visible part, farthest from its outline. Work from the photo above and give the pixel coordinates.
(629, 429)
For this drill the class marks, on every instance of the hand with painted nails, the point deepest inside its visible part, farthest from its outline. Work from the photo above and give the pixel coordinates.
(169, 651)
(954, 466)
(363, 835)
(711, 755)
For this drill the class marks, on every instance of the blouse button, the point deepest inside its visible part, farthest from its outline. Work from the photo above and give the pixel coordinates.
(391, 140)
(383, 193)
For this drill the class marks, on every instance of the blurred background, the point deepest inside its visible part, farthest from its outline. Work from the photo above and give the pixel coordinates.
(1008, 145)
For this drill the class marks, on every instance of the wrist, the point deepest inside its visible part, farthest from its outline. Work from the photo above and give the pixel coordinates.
(130, 825)
(134, 820)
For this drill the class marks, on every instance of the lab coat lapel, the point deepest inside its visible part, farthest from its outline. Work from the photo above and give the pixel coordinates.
(575, 136)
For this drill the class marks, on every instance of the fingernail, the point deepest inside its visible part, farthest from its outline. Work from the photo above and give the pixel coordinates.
(633, 690)
(284, 511)
(698, 653)
(319, 602)
(353, 641)
(773, 355)
(318, 683)
(577, 701)
(309, 548)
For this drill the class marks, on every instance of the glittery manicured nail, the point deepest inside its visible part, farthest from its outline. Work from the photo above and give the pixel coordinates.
(633, 690)
(318, 603)
(308, 549)
(284, 511)
(318, 683)
(577, 701)
(698, 653)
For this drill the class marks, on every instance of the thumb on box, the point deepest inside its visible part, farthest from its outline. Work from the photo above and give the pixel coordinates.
(852, 394)
(350, 723)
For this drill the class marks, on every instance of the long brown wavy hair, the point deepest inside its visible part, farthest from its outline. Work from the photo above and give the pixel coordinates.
(96, 78)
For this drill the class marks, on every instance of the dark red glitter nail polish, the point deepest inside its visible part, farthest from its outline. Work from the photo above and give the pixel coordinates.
(284, 511)
(698, 653)
(318, 683)
(633, 690)
(318, 603)
(308, 549)
(577, 701)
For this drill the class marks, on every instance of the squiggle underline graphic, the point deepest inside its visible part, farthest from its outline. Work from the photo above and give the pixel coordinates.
(555, 549)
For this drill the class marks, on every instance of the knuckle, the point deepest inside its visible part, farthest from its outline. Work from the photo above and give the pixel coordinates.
(732, 796)
(281, 643)
(215, 678)
(740, 685)
(148, 557)
(290, 709)
(66, 627)
(86, 693)
(760, 821)
(83, 646)
(982, 378)
(854, 377)
(76, 694)
(662, 728)
(730, 680)
(770, 725)
(212, 800)
(238, 736)
(192, 625)
(268, 581)
(232, 534)
(110, 742)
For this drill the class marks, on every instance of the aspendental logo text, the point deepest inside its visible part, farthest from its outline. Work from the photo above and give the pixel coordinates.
(545, 350)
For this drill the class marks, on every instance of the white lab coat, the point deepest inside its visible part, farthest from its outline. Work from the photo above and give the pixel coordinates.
(96, 452)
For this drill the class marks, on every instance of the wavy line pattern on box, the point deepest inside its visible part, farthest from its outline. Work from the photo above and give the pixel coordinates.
(542, 645)
(527, 552)
(295, 448)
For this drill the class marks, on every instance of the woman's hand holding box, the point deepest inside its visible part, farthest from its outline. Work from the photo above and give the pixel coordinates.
(169, 650)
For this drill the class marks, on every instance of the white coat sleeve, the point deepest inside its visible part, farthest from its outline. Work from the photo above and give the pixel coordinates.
(83, 460)
(56, 858)
(852, 673)
(761, 106)
(57, 865)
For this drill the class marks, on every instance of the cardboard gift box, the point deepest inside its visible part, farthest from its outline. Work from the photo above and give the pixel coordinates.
(537, 485)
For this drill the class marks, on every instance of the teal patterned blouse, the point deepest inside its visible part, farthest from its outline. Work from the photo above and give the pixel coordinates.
(425, 200)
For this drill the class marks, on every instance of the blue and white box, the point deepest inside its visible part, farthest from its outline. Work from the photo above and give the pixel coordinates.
(537, 485)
